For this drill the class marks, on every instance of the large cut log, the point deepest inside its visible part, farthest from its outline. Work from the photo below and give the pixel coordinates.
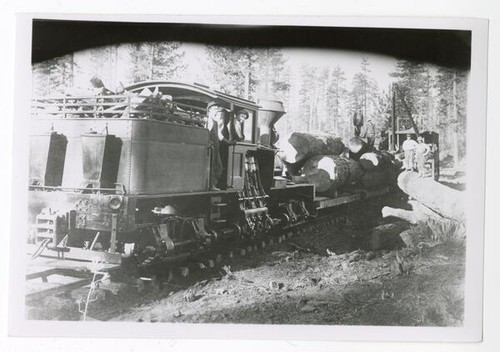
(358, 147)
(326, 172)
(443, 200)
(300, 146)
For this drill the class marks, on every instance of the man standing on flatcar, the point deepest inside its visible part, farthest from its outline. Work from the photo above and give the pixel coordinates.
(368, 133)
(214, 114)
(409, 149)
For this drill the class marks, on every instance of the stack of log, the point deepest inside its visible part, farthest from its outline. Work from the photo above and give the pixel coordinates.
(323, 160)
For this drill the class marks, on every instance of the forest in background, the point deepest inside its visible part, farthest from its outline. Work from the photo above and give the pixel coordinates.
(316, 97)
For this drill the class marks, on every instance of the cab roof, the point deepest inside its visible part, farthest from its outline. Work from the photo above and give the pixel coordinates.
(193, 94)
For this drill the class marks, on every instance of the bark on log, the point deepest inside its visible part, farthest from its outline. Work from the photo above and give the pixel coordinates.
(391, 175)
(355, 171)
(303, 145)
(391, 161)
(443, 200)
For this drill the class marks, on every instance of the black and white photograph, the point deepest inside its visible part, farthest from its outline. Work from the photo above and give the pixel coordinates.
(277, 174)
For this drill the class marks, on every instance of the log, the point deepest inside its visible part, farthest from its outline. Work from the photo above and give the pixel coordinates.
(391, 175)
(358, 147)
(391, 161)
(443, 200)
(379, 160)
(294, 169)
(374, 179)
(355, 171)
(300, 146)
(418, 213)
(371, 161)
(326, 172)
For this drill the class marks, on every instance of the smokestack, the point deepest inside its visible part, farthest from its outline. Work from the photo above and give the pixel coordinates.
(269, 113)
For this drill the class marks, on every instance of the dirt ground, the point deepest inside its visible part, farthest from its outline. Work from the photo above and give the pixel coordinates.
(344, 273)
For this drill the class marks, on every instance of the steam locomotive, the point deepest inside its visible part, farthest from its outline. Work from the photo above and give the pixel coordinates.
(128, 176)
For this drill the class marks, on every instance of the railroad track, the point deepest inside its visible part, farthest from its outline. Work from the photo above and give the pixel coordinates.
(174, 273)
(53, 277)
(184, 265)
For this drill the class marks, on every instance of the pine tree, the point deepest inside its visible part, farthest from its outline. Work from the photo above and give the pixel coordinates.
(233, 69)
(412, 81)
(272, 76)
(158, 61)
(336, 97)
(167, 61)
(452, 108)
(364, 92)
(249, 72)
(309, 95)
(53, 75)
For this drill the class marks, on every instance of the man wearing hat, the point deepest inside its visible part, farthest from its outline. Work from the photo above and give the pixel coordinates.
(235, 127)
(422, 150)
(214, 114)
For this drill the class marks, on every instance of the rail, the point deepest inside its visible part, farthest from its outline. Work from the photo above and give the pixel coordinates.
(118, 106)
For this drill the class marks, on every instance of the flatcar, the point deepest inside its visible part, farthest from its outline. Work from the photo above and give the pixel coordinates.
(128, 176)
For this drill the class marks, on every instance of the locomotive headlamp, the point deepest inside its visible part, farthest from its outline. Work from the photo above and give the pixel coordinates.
(115, 203)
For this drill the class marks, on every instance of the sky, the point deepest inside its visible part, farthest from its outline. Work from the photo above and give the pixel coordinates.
(197, 63)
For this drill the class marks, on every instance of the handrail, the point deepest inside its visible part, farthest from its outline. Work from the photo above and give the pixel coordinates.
(118, 106)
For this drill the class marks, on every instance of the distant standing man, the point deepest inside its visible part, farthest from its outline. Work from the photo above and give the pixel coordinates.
(214, 114)
(422, 151)
(409, 146)
(357, 121)
(369, 133)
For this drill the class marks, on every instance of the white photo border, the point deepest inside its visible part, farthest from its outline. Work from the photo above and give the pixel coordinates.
(476, 135)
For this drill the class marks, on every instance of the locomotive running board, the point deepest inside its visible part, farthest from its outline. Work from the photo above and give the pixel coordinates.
(77, 254)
